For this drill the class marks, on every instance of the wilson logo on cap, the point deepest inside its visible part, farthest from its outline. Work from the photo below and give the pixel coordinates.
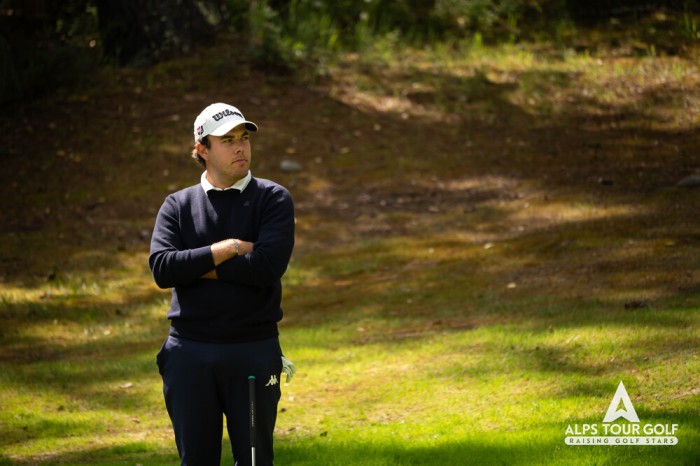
(226, 113)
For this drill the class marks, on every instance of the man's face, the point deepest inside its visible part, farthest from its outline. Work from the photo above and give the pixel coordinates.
(228, 158)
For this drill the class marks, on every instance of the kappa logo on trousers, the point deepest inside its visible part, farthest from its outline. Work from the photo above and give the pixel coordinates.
(273, 381)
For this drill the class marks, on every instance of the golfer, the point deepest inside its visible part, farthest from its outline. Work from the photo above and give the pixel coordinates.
(222, 246)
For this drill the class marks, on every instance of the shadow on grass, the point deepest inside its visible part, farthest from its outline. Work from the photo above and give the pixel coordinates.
(492, 450)
(130, 453)
(505, 449)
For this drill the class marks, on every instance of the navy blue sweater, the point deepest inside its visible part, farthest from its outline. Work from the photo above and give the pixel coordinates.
(244, 303)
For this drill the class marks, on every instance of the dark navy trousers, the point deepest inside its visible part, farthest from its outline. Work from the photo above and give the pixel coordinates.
(203, 382)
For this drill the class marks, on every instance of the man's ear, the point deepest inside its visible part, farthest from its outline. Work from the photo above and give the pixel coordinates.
(202, 151)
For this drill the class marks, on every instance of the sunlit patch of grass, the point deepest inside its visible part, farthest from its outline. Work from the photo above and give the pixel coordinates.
(448, 386)
(543, 83)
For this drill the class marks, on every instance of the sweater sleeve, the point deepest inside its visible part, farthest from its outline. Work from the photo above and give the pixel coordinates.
(273, 247)
(171, 263)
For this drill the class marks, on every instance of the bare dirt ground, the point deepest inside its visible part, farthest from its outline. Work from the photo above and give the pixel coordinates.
(527, 158)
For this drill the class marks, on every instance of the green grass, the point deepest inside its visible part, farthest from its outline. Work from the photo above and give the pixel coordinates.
(488, 380)
(463, 287)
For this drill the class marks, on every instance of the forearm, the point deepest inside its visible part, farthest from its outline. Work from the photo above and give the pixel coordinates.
(226, 250)
(262, 267)
(172, 267)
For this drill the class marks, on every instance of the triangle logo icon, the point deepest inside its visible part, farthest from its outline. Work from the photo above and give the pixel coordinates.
(628, 412)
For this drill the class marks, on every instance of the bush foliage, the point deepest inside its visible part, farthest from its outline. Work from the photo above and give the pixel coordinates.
(66, 40)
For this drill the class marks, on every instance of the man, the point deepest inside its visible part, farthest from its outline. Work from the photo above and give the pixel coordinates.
(223, 246)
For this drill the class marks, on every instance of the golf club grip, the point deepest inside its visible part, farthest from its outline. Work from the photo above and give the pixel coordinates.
(251, 398)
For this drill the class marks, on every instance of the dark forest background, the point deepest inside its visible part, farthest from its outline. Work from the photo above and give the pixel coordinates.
(44, 44)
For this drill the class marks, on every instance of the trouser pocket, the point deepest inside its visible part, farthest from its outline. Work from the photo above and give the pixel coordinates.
(161, 356)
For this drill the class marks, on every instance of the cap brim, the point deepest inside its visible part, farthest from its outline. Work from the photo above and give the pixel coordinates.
(225, 128)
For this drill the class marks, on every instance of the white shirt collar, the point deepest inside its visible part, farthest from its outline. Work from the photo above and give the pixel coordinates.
(240, 185)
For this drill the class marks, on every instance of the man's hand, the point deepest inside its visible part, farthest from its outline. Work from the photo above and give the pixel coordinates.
(288, 368)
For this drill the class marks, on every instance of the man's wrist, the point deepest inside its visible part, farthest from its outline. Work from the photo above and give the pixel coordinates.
(224, 250)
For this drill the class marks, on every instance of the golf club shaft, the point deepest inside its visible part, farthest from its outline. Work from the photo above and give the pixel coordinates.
(251, 398)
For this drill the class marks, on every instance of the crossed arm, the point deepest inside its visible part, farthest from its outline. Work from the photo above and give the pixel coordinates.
(259, 264)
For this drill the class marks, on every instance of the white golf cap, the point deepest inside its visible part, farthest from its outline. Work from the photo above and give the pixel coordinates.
(218, 119)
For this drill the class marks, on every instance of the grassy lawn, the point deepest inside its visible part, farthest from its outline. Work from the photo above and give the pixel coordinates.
(488, 241)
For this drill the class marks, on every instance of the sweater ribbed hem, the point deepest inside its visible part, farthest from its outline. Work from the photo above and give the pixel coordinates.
(192, 331)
